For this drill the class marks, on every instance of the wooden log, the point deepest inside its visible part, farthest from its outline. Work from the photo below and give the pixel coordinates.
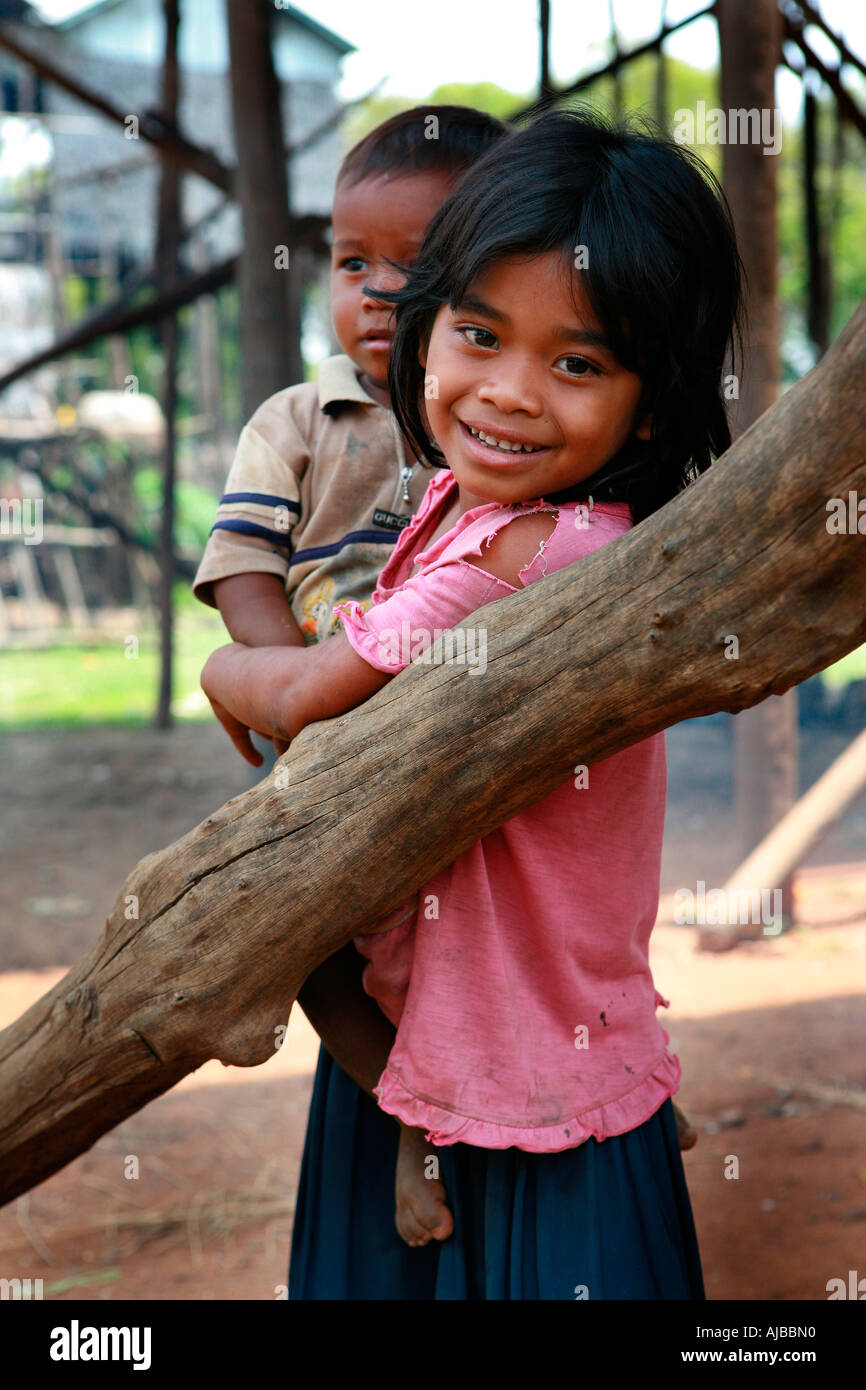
(787, 845)
(211, 938)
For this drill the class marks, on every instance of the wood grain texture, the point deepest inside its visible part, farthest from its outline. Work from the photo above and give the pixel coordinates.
(363, 809)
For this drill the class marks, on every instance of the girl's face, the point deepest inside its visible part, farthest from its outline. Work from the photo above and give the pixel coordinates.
(523, 394)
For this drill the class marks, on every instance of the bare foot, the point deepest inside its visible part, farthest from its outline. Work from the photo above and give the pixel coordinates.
(421, 1215)
(687, 1136)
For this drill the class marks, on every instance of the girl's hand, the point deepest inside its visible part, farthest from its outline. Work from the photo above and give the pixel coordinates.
(218, 678)
(238, 733)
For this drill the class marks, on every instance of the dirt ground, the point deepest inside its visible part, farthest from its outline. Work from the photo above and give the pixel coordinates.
(770, 1036)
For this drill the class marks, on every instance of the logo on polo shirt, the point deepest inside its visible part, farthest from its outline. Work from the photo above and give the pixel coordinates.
(390, 520)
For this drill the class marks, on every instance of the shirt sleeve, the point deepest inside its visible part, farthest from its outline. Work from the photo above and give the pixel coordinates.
(259, 508)
(400, 628)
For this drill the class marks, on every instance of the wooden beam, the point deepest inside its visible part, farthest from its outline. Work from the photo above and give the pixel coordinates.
(211, 939)
(193, 158)
(100, 516)
(119, 316)
(651, 46)
(788, 843)
(848, 107)
(811, 16)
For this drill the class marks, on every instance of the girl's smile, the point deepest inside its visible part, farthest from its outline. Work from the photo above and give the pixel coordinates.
(526, 401)
(511, 447)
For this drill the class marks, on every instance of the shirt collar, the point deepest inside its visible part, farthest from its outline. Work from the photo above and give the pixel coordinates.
(338, 381)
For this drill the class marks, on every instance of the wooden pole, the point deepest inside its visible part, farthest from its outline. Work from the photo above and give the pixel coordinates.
(270, 330)
(660, 89)
(818, 314)
(211, 939)
(616, 69)
(167, 259)
(545, 87)
(750, 38)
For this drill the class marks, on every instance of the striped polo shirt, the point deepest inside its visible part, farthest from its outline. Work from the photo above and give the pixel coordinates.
(318, 493)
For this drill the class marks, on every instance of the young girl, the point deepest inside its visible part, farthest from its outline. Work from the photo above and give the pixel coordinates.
(560, 345)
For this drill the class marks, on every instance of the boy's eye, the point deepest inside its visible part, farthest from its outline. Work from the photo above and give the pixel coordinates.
(353, 263)
(577, 366)
(476, 336)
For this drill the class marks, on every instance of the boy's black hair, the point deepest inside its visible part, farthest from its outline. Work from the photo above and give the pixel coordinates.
(663, 276)
(444, 139)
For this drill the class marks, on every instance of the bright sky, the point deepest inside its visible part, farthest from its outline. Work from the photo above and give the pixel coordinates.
(488, 40)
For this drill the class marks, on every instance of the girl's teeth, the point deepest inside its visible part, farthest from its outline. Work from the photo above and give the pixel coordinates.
(495, 443)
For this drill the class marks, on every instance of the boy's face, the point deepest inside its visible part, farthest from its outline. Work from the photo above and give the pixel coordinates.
(374, 221)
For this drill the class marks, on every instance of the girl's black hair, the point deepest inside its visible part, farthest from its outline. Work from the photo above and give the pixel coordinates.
(663, 277)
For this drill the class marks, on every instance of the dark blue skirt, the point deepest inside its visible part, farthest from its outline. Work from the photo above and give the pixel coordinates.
(610, 1220)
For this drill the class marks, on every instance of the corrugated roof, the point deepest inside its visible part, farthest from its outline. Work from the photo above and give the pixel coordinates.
(290, 11)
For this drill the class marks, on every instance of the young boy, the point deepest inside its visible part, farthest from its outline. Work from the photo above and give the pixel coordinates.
(322, 482)
(320, 488)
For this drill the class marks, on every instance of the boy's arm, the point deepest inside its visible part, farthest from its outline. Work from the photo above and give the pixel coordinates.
(256, 611)
(351, 1025)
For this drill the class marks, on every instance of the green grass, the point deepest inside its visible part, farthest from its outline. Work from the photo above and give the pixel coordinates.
(72, 686)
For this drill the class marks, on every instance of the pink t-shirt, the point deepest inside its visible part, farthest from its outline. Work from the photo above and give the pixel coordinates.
(519, 979)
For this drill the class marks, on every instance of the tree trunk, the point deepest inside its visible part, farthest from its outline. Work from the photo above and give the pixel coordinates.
(270, 331)
(750, 42)
(211, 938)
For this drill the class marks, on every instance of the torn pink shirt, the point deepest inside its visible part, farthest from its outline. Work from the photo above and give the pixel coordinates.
(519, 981)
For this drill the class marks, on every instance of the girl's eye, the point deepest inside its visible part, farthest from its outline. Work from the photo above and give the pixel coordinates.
(353, 264)
(577, 366)
(480, 334)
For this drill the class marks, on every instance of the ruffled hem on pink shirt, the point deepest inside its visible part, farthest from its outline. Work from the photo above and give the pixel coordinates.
(602, 1122)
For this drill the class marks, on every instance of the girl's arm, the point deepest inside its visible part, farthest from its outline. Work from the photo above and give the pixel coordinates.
(277, 691)
(257, 612)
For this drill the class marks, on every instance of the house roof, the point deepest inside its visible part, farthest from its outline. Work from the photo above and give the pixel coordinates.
(328, 35)
(17, 9)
